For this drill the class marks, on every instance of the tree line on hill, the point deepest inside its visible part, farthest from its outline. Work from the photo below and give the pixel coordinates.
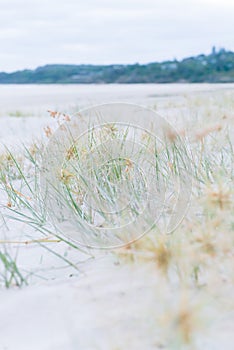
(217, 67)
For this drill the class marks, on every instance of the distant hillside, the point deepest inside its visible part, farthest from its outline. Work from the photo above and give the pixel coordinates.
(217, 67)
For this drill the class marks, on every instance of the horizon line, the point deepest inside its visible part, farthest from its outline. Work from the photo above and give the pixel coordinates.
(214, 50)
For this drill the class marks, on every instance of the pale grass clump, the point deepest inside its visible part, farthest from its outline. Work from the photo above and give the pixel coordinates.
(158, 250)
(219, 196)
(199, 255)
(181, 321)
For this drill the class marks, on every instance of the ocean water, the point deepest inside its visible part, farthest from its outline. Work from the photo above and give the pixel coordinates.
(35, 100)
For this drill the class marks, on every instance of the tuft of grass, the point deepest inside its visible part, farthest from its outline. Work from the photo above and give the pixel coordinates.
(21, 202)
(18, 114)
(10, 275)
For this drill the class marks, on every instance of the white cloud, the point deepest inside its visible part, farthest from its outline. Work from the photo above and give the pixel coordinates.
(36, 32)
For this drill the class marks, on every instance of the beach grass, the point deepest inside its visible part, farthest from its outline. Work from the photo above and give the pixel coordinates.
(196, 260)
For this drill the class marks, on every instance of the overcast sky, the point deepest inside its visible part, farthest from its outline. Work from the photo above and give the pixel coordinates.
(38, 32)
